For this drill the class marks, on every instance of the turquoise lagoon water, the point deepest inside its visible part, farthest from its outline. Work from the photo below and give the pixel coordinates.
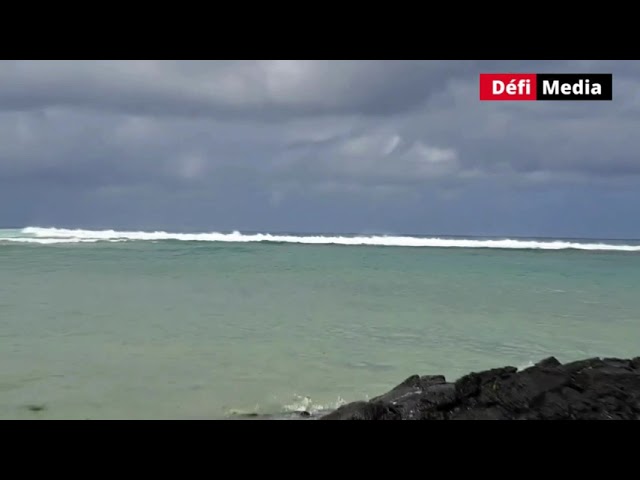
(103, 325)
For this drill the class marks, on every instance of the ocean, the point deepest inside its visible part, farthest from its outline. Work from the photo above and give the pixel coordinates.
(156, 325)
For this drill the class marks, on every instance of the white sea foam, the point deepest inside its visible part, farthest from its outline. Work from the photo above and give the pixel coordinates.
(51, 241)
(60, 235)
(525, 366)
(48, 241)
(302, 403)
(299, 404)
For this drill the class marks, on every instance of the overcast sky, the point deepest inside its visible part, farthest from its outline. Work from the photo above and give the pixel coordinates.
(315, 146)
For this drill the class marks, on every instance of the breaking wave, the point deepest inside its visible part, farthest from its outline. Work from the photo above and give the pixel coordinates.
(299, 407)
(60, 235)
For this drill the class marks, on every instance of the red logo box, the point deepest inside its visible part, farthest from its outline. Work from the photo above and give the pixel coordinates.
(508, 86)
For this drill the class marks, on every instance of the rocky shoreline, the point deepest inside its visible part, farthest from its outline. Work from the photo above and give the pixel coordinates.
(590, 389)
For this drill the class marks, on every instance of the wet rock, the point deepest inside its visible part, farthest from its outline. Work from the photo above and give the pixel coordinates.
(36, 408)
(589, 389)
(489, 413)
(618, 363)
(472, 384)
(247, 415)
(364, 411)
(580, 365)
(521, 392)
(440, 396)
(548, 362)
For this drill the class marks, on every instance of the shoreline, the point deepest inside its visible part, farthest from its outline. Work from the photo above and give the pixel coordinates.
(589, 389)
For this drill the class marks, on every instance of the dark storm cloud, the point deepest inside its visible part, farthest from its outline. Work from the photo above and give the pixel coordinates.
(262, 89)
(312, 145)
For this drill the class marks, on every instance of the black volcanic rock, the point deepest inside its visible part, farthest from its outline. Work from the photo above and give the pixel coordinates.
(590, 389)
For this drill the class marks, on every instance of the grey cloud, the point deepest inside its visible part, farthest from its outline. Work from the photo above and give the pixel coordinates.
(570, 137)
(108, 148)
(263, 89)
(310, 145)
(377, 157)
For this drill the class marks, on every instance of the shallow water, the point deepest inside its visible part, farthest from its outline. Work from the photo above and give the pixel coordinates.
(207, 329)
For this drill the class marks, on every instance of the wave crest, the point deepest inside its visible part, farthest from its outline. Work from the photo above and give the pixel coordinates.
(61, 235)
